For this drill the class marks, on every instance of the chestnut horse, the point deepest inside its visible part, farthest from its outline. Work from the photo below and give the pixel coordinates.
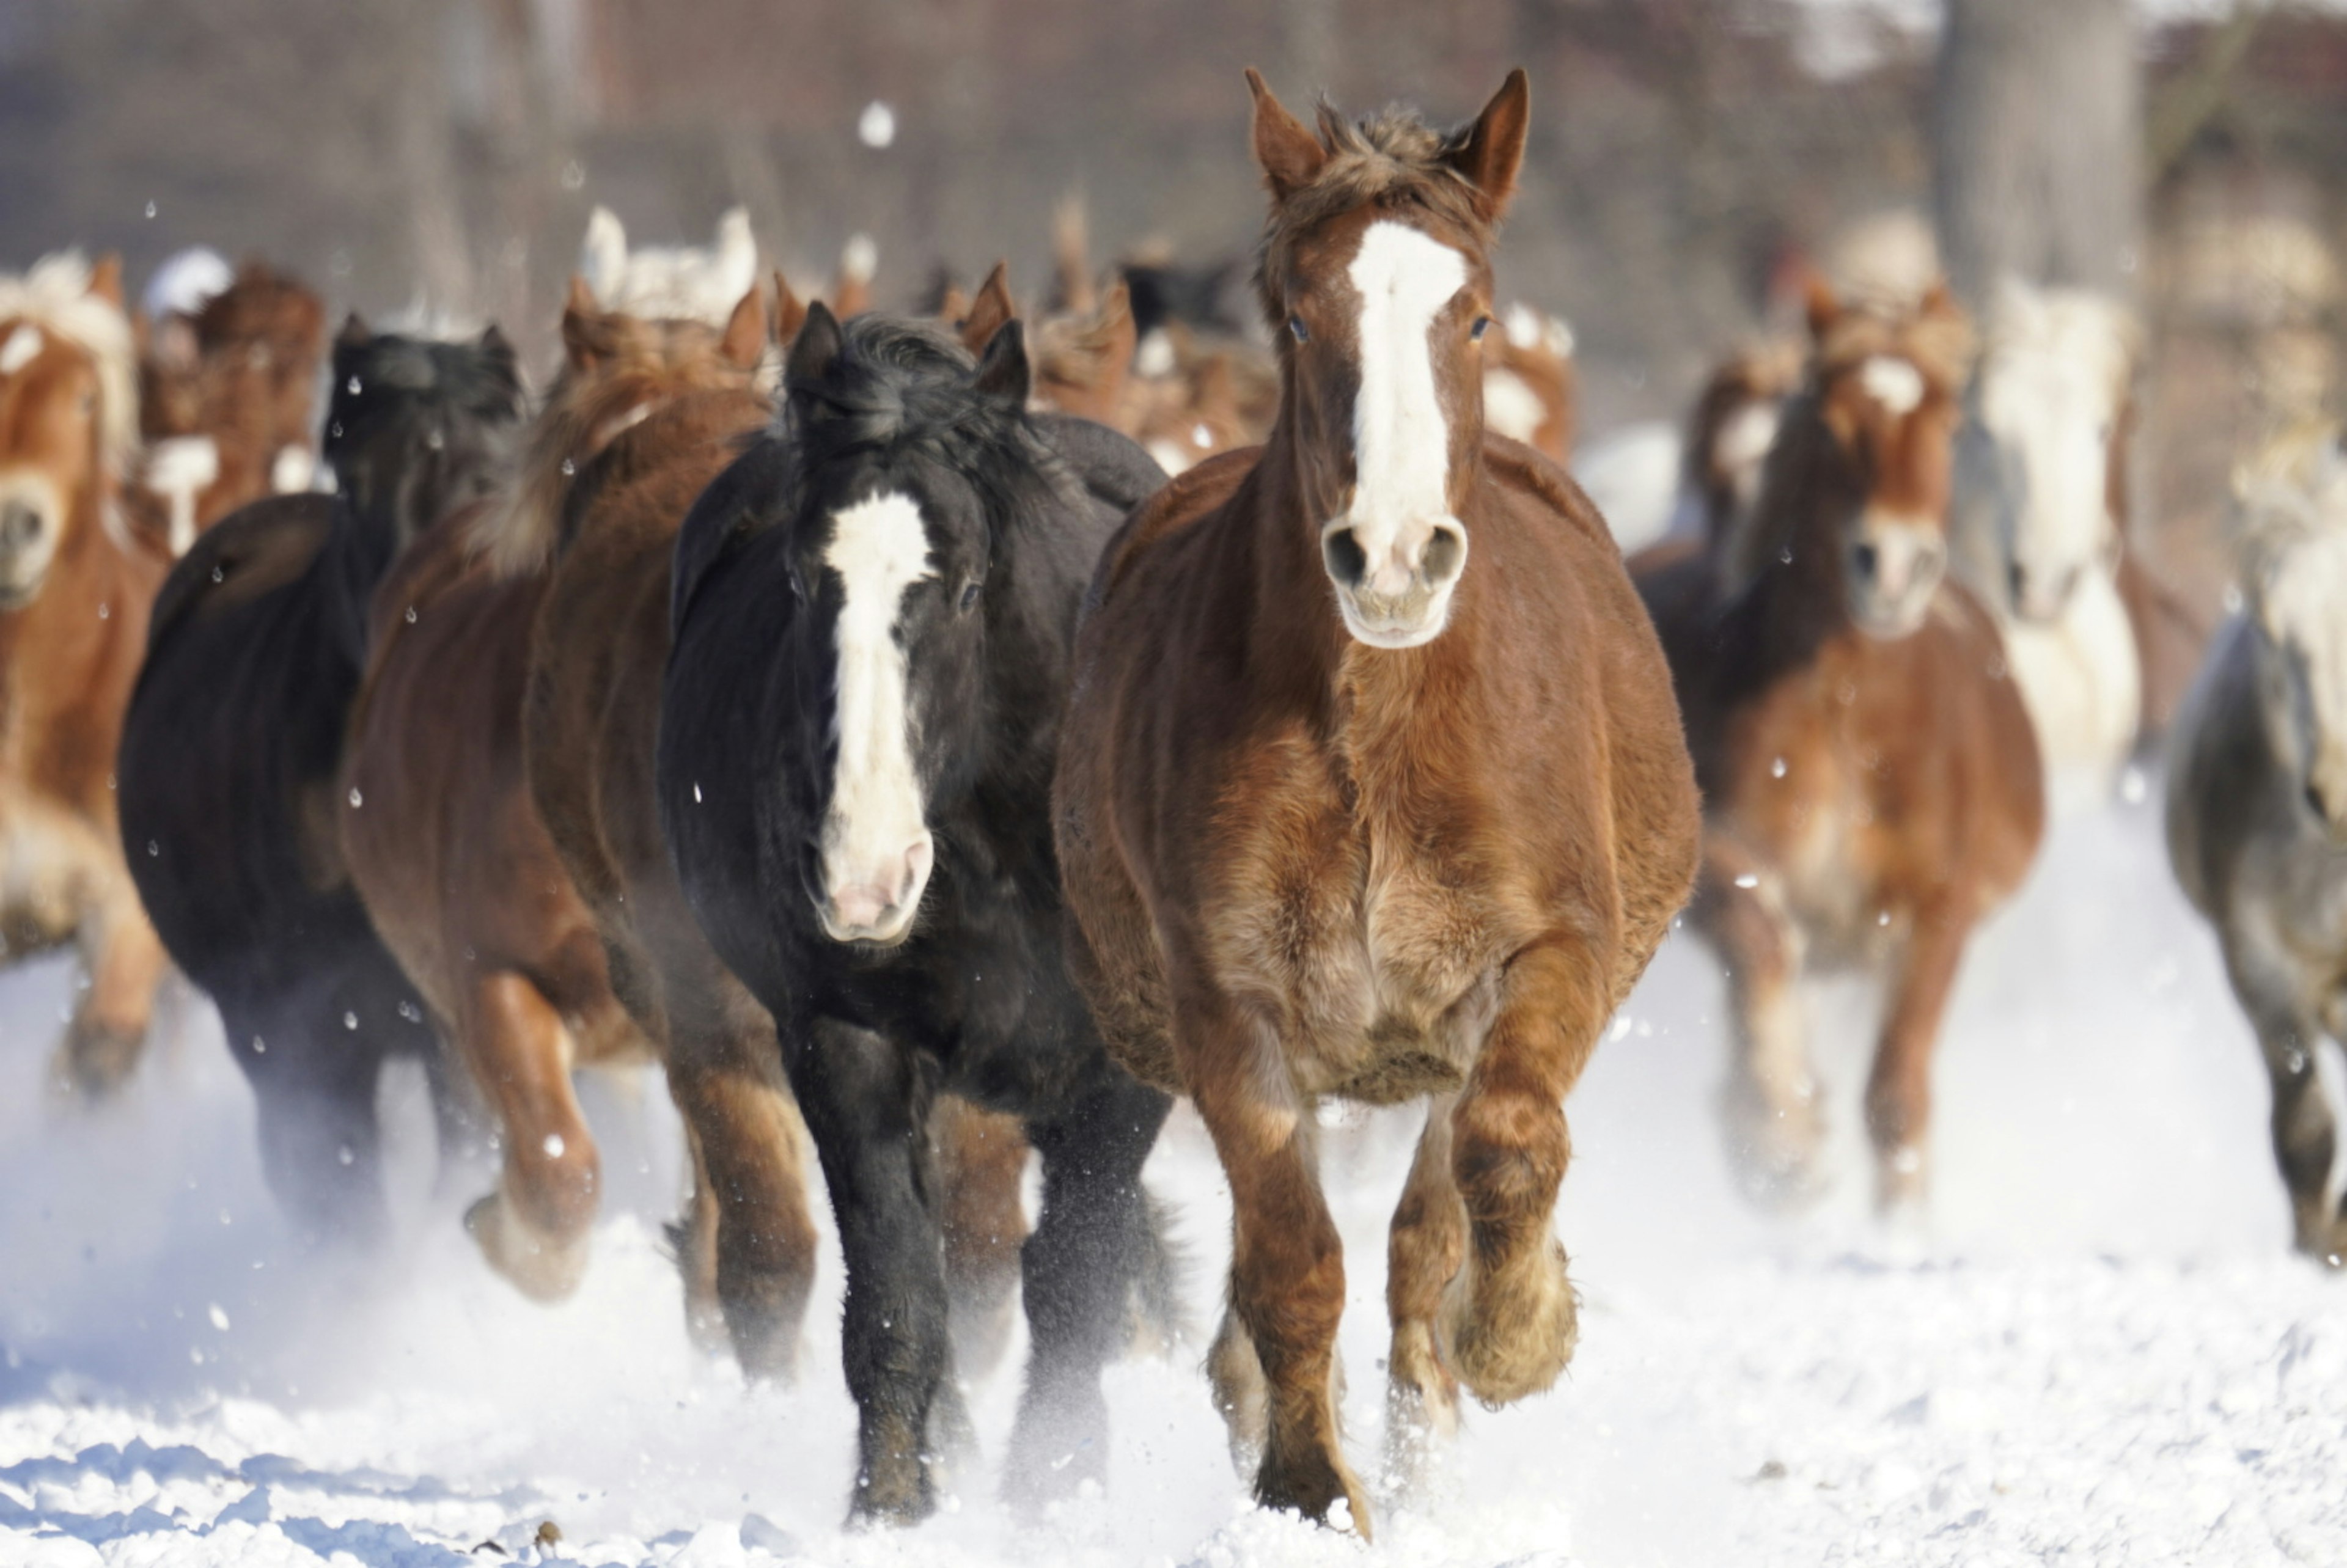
(1870, 776)
(1373, 787)
(589, 711)
(75, 588)
(442, 840)
(232, 758)
(229, 400)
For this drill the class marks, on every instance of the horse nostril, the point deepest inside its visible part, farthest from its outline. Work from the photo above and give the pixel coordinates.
(2020, 581)
(2314, 802)
(1866, 559)
(1347, 561)
(19, 525)
(1446, 552)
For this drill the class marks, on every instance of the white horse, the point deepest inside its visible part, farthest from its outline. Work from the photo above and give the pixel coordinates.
(683, 283)
(2034, 533)
(2257, 799)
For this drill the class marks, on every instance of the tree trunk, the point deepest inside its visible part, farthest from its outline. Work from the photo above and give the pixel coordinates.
(2036, 137)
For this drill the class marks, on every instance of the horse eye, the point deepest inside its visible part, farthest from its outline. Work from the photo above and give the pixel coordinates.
(1482, 324)
(1296, 329)
(970, 596)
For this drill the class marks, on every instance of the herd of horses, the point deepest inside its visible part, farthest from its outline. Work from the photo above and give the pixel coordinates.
(935, 738)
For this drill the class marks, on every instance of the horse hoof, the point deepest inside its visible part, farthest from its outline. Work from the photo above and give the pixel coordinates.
(1317, 1486)
(1511, 1333)
(546, 1268)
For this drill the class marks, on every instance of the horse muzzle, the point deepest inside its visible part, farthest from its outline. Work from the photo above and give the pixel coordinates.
(1893, 569)
(30, 514)
(873, 904)
(1394, 585)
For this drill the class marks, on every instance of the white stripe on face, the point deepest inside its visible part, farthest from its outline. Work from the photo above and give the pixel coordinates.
(1401, 443)
(876, 844)
(23, 347)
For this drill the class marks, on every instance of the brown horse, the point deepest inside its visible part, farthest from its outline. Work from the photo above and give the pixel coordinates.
(75, 586)
(229, 401)
(438, 829)
(1870, 773)
(1372, 785)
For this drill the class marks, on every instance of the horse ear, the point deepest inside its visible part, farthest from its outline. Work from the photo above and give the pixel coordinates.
(790, 311)
(1818, 301)
(355, 332)
(1493, 149)
(105, 279)
(492, 343)
(1003, 373)
(1289, 154)
(587, 340)
(745, 332)
(953, 306)
(817, 347)
(990, 312)
(603, 254)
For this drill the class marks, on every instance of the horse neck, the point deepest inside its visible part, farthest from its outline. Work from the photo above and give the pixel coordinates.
(360, 549)
(1792, 600)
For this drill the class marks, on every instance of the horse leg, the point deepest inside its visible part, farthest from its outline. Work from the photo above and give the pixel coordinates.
(313, 1082)
(1079, 1269)
(1510, 1321)
(1771, 1106)
(750, 1183)
(1424, 1249)
(125, 962)
(692, 1237)
(1277, 1351)
(1898, 1091)
(2305, 1138)
(865, 1104)
(534, 1228)
(981, 1163)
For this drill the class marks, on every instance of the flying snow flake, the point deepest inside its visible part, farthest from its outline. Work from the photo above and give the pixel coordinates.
(876, 126)
(554, 1145)
(219, 1317)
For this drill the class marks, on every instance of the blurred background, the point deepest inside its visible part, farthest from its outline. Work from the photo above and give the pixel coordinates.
(1686, 154)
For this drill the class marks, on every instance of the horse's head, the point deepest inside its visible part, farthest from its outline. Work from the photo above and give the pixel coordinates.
(2053, 383)
(1886, 390)
(2289, 514)
(1731, 428)
(417, 428)
(68, 413)
(262, 340)
(907, 460)
(1376, 276)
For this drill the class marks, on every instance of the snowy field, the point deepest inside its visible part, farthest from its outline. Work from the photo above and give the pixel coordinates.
(2100, 1353)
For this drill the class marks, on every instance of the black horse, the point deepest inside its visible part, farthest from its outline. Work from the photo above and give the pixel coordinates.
(873, 610)
(229, 757)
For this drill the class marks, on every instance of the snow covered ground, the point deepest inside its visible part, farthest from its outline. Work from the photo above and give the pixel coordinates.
(2100, 1353)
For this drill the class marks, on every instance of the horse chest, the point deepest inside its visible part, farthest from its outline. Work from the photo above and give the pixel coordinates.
(1373, 947)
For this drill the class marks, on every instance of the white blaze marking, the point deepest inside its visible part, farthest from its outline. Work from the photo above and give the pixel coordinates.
(24, 346)
(1510, 407)
(180, 469)
(294, 470)
(1894, 382)
(1401, 443)
(879, 548)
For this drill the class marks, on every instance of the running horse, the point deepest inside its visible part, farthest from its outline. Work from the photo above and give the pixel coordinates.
(1372, 785)
(76, 585)
(1870, 776)
(444, 844)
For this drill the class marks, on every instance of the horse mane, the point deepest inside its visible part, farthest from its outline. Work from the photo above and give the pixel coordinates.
(55, 296)
(2292, 491)
(1938, 342)
(646, 364)
(265, 305)
(1392, 160)
(900, 381)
